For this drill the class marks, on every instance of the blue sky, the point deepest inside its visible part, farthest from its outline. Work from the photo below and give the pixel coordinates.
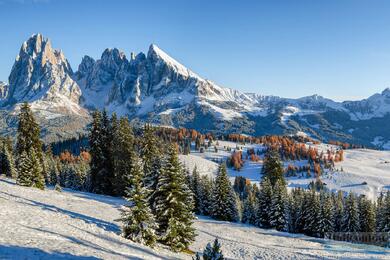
(336, 48)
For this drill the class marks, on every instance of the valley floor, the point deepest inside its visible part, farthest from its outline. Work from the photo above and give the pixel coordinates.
(37, 224)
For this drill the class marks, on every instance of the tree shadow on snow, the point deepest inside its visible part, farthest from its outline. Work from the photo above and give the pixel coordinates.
(96, 247)
(18, 252)
(108, 226)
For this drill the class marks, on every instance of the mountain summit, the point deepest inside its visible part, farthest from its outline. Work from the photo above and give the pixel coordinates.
(156, 88)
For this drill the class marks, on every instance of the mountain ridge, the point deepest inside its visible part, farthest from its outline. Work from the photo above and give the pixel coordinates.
(156, 88)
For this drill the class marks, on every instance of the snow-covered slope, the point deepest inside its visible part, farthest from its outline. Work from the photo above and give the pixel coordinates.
(48, 224)
(363, 171)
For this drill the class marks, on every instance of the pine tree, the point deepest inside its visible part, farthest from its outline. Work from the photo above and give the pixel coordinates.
(380, 213)
(325, 217)
(28, 133)
(206, 195)
(37, 177)
(366, 215)
(30, 146)
(385, 214)
(264, 204)
(350, 221)
(338, 211)
(97, 156)
(273, 168)
(197, 191)
(213, 252)
(312, 214)
(174, 205)
(277, 214)
(224, 206)
(139, 223)
(151, 156)
(249, 211)
(7, 162)
(24, 171)
(123, 151)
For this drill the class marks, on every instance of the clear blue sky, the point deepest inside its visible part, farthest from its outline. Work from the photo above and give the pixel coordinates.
(335, 48)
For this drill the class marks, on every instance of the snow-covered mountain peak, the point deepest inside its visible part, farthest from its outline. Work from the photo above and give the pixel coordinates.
(42, 75)
(156, 55)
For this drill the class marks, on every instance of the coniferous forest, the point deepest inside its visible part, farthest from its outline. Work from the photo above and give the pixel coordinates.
(163, 197)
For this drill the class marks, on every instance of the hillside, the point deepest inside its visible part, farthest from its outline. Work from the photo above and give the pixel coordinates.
(48, 224)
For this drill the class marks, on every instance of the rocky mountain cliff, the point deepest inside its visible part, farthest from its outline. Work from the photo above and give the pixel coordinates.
(153, 87)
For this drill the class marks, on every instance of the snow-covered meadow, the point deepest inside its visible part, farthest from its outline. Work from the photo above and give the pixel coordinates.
(48, 224)
(363, 171)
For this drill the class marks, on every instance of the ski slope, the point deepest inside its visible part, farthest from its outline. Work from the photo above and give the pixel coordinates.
(48, 224)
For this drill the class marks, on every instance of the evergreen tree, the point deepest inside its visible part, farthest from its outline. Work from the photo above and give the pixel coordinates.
(28, 133)
(264, 204)
(312, 214)
(326, 214)
(123, 152)
(206, 195)
(139, 223)
(30, 146)
(273, 168)
(249, 211)
(338, 211)
(350, 221)
(7, 165)
(385, 213)
(213, 252)
(366, 215)
(277, 214)
(152, 158)
(197, 191)
(380, 213)
(37, 177)
(224, 206)
(97, 156)
(174, 205)
(24, 171)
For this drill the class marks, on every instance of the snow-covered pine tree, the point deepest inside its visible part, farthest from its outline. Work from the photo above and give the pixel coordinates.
(366, 214)
(337, 211)
(97, 156)
(7, 162)
(278, 207)
(380, 211)
(293, 207)
(325, 218)
(123, 150)
(28, 133)
(197, 191)
(385, 215)
(24, 170)
(37, 177)
(213, 252)
(29, 144)
(206, 195)
(264, 204)
(106, 174)
(139, 224)
(350, 220)
(249, 211)
(272, 167)
(174, 205)
(152, 158)
(312, 214)
(224, 205)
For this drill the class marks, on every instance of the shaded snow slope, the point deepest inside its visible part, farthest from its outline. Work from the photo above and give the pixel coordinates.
(47, 224)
